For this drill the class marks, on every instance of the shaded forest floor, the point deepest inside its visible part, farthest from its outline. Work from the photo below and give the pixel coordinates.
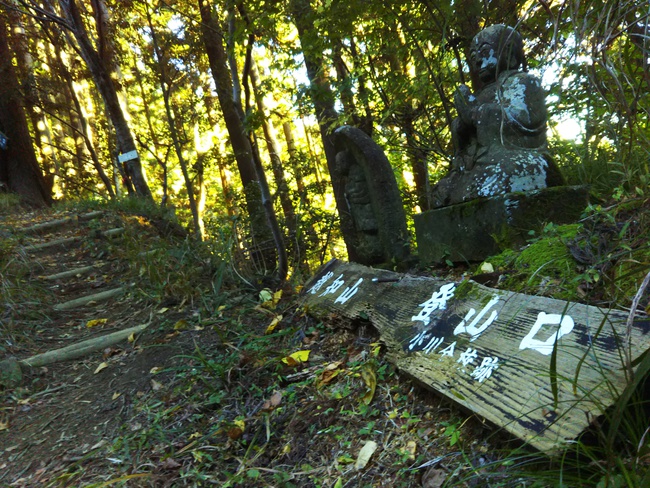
(208, 394)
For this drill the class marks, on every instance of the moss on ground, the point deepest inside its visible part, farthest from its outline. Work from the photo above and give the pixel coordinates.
(602, 260)
(546, 266)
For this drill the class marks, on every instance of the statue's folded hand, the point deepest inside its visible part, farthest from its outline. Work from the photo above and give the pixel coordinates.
(465, 103)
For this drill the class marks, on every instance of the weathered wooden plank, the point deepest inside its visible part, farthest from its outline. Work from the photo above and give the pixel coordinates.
(57, 224)
(96, 297)
(492, 350)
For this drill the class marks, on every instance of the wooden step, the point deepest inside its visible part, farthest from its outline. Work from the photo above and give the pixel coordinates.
(97, 297)
(69, 274)
(55, 224)
(73, 240)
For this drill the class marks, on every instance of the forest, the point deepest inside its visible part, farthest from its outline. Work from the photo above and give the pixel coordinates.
(185, 151)
(231, 106)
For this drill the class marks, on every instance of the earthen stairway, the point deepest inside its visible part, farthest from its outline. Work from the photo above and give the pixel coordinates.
(72, 257)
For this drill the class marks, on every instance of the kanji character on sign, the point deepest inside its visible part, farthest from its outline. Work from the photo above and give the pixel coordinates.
(319, 284)
(484, 371)
(471, 329)
(468, 357)
(546, 347)
(334, 286)
(349, 292)
(438, 301)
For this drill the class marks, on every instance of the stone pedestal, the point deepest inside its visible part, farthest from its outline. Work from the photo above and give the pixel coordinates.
(475, 230)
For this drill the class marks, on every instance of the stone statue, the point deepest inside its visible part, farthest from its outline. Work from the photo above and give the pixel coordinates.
(374, 225)
(499, 136)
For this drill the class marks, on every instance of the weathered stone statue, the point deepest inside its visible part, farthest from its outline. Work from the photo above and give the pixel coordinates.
(501, 183)
(499, 136)
(376, 221)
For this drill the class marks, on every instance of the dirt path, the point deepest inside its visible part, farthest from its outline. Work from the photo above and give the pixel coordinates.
(62, 414)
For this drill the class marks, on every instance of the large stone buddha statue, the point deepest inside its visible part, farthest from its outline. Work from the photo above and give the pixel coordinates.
(499, 136)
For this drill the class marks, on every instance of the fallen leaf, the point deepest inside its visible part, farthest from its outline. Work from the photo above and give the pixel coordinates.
(96, 322)
(266, 295)
(433, 478)
(100, 367)
(116, 395)
(292, 363)
(169, 464)
(411, 447)
(155, 370)
(330, 372)
(101, 443)
(162, 310)
(156, 385)
(274, 323)
(327, 376)
(272, 402)
(297, 357)
(181, 325)
(236, 430)
(4, 424)
(365, 454)
(487, 267)
(370, 378)
(270, 300)
(131, 337)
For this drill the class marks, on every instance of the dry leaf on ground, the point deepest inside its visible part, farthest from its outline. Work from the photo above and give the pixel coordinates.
(365, 454)
(433, 478)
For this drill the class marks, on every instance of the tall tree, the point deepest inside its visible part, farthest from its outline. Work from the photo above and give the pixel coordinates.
(96, 61)
(19, 168)
(166, 88)
(260, 208)
(323, 99)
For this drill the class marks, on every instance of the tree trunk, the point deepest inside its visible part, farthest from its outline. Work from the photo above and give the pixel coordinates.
(83, 129)
(165, 87)
(323, 100)
(102, 76)
(19, 168)
(419, 164)
(258, 209)
(274, 150)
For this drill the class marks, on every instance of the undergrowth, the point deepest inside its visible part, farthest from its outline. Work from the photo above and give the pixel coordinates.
(241, 410)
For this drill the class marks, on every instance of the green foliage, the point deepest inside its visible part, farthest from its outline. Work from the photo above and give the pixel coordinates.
(8, 202)
(545, 267)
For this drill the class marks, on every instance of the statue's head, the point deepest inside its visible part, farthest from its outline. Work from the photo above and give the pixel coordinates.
(494, 49)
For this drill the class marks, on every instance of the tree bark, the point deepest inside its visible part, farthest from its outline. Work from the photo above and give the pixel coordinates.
(102, 77)
(83, 128)
(19, 169)
(274, 150)
(260, 211)
(323, 99)
(166, 88)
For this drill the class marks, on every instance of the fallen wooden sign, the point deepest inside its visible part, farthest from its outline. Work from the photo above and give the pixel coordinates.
(541, 368)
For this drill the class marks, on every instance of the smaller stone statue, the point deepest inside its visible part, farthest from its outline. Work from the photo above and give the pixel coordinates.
(374, 225)
(499, 136)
